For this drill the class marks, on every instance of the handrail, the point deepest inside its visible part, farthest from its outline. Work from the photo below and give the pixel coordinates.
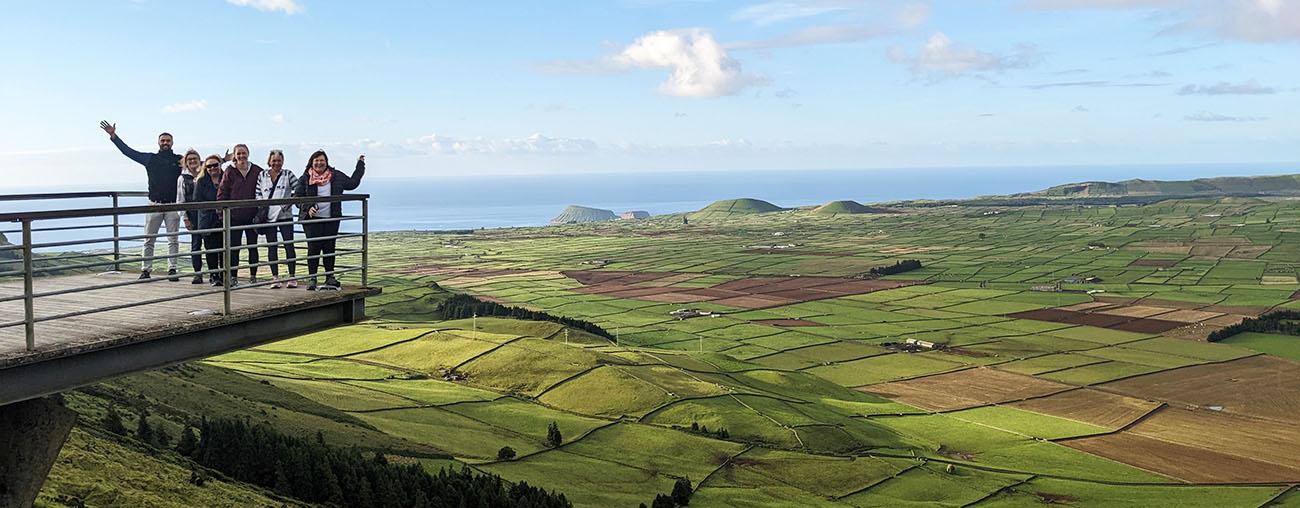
(225, 229)
(72, 195)
(174, 207)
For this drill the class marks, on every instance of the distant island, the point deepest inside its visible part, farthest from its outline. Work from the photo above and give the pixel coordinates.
(1276, 185)
(575, 214)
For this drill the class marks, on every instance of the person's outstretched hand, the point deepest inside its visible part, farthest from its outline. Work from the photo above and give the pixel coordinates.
(110, 128)
(361, 162)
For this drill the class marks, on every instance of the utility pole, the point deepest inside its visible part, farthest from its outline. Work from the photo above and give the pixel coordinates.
(475, 334)
(566, 335)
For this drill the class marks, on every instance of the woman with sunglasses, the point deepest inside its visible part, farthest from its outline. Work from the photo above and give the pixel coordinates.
(190, 169)
(321, 179)
(278, 183)
(205, 189)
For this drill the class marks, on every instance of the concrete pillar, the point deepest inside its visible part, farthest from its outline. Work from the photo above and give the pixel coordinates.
(31, 434)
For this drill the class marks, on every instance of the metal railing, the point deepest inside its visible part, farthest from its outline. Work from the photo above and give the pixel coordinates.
(115, 259)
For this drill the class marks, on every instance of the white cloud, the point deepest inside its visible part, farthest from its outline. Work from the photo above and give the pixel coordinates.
(285, 6)
(939, 59)
(185, 107)
(1248, 20)
(768, 13)
(533, 144)
(1260, 21)
(1215, 117)
(1098, 4)
(278, 119)
(907, 16)
(1225, 88)
(698, 66)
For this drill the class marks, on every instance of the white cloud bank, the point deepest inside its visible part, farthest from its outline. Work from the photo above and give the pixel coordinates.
(286, 6)
(939, 58)
(697, 65)
(186, 107)
(1260, 21)
(534, 144)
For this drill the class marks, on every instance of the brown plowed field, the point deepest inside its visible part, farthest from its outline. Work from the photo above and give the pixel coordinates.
(965, 388)
(1189, 316)
(1080, 307)
(1182, 462)
(1146, 326)
(754, 302)
(1225, 320)
(1262, 386)
(1090, 406)
(1265, 441)
(1135, 311)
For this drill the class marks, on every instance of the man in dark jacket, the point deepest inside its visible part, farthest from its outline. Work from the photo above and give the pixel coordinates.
(162, 168)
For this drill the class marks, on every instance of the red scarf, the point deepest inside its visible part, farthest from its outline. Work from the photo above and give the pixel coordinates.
(319, 179)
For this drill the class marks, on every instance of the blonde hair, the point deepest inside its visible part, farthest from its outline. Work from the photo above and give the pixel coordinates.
(203, 166)
(187, 155)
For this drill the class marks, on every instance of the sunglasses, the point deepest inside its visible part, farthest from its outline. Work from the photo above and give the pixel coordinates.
(210, 166)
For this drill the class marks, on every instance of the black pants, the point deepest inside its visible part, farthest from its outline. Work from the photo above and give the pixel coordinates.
(320, 247)
(238, 238)
(213, 241)
(196, 245)
(283, 230)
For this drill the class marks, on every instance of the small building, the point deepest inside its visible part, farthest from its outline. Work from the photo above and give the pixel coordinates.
(682, 314)
(1046, 289)
(634, 215)
(924, 344)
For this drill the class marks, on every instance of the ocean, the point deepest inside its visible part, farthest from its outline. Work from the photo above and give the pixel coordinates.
(471, 202)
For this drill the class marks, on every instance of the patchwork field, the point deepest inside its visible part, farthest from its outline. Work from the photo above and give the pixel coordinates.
(1042, 355)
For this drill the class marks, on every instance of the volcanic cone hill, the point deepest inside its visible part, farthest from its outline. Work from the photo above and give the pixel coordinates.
(732, 207)
(575, 214)
(846, 207)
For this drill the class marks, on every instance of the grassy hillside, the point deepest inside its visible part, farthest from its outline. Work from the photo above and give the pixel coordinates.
(795, 391)
(847, 207)
(733, 207)
(1220, 186)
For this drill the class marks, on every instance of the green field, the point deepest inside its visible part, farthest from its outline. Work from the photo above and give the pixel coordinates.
(782, 370)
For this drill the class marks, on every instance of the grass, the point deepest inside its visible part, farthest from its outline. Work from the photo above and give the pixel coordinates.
(1040, 491)
(879, 369)
(1285, 346)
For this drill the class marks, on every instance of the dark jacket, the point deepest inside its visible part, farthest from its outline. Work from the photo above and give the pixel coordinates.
(206, 190)
(162, 168)
(339, 182)
(185, 193)
(236, 186)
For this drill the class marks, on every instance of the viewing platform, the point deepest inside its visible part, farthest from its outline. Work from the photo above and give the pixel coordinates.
(73, 311)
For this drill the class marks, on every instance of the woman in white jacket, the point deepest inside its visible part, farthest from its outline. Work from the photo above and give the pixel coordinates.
(277, 183)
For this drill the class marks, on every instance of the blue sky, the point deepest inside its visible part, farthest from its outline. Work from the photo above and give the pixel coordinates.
(452, 88)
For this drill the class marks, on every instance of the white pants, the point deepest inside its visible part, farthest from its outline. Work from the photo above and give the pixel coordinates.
(151, 223)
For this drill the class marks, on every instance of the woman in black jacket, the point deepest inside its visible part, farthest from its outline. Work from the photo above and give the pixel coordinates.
(205, 189)
(320, 179)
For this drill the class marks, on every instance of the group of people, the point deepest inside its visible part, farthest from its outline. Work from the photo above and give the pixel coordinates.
(191, 178)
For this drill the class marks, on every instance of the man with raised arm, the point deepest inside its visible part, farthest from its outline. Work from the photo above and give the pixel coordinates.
(163, 170)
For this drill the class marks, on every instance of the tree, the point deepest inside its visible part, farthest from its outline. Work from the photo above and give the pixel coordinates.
(188, 442)
(682, 491)
(663, 501)
(553, 437)
(506, 453)
(113, 421)
(143, 431)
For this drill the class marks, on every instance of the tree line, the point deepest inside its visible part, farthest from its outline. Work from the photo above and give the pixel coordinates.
(905, 265)
(463, 306)
(314, 472)
(1279, 321)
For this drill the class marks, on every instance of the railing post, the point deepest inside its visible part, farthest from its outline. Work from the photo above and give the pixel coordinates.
(365, 241)
(227, 273)
(117, 233)
(28, 308)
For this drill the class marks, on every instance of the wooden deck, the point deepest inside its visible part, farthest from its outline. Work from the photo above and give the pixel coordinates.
(91, 332)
